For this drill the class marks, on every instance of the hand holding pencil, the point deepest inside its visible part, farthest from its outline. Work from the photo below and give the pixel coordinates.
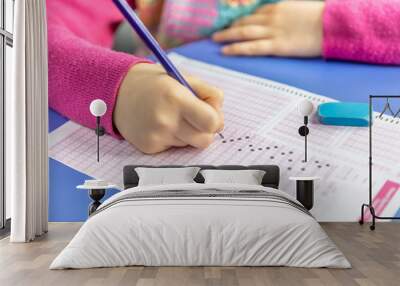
(154, 112)
(158, 108)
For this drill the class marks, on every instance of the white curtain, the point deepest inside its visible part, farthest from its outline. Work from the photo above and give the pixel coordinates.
(27, 124)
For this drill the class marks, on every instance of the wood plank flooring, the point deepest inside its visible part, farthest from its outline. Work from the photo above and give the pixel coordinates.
(375, 257)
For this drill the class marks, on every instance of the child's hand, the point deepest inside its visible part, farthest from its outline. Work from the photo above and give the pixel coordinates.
(154, 112)
(283, 29)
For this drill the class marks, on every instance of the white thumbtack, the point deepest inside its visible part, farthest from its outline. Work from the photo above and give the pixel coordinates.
(98, 108)
(305, 109)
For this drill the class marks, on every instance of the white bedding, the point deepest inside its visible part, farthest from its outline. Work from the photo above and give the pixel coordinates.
(183, 231)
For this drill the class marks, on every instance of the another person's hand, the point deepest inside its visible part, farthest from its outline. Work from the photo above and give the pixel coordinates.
(288, 28)
(154, 112)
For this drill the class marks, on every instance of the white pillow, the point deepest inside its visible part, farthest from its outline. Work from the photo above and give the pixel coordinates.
(248, 177)
(165, 176)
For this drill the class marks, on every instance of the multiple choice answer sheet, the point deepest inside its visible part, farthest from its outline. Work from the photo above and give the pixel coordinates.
(261, 127)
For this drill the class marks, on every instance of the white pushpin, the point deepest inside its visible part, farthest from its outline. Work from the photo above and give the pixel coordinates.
(305, 108)
(98, 108)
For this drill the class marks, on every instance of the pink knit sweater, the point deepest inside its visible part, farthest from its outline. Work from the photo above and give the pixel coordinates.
(82, 67)
(362, 30)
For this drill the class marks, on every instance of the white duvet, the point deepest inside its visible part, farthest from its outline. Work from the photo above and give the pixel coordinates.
(200, 231)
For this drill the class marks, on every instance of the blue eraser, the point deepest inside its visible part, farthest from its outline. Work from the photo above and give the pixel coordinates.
(344, 114)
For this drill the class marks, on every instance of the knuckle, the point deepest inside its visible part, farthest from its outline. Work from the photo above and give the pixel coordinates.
(235, 48)
(150, 144)
(219, 94)
(171, 94)
(206, 141)
(152, 139)
(255, 47)
(242, 32)
(252, 30)
(245, 50)
(213, 125)
(163, 122)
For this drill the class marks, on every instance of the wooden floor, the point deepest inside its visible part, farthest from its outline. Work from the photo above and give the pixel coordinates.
(375, 257)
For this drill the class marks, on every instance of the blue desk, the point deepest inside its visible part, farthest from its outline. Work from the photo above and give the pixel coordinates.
(340, 80)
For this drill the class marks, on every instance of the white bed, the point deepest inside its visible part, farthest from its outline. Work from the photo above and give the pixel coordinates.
(201, 224)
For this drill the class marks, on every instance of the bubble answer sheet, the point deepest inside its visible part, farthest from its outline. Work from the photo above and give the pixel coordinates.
(261, 127)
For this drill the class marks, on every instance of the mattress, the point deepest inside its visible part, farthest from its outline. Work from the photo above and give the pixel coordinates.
(201, 225)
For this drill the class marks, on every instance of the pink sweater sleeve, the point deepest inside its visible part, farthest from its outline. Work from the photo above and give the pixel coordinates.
(82, 68)
(362, 30)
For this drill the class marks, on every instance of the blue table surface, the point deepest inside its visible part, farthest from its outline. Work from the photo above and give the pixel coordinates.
(344, 81)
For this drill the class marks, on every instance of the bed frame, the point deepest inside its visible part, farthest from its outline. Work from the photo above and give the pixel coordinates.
(270, 179)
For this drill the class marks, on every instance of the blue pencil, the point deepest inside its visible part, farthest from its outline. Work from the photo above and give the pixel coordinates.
(151, 43)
